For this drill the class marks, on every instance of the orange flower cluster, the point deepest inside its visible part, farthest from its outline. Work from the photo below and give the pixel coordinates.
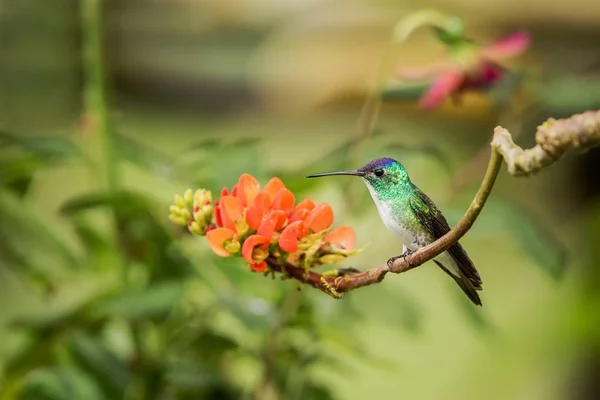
(258, 223)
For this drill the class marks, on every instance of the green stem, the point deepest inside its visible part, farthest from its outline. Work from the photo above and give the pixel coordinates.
(96, 112)
(95, 93)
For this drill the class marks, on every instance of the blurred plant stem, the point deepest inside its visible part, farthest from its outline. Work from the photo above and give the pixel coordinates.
(95, 98)
(95, 106)
(267, 388)
(98, 121)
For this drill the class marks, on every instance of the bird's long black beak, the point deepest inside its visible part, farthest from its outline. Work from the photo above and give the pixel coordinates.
(349, 172)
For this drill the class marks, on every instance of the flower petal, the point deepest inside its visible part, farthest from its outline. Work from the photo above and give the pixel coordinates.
(429, 71)
(248, 188)
(288, 240)
(508, 47)
(216, 239)
(320, 218)
(218, 219)
(224, 192)
(283, 200)
(231, 211)
(299, 215)
(257, 210)
(268, 224)
(306, 204)
(250, 243)
(441, 88)
(484, 77)
(261, 267)
(342, 236)
(273, 186)
(282, 220)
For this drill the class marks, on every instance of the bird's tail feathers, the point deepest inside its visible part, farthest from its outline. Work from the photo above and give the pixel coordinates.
(464, 283)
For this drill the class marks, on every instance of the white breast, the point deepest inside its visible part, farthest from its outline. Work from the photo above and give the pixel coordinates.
(406, 236)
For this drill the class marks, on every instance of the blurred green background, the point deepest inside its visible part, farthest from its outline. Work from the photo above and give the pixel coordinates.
(102, 298)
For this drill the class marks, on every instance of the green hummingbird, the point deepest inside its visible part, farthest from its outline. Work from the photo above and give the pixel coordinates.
(414, 218)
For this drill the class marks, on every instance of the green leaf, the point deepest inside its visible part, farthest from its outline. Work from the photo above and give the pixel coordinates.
(218, 163)
(59, 384)
(23, 226)
(144, 233)
(100, 362)
(139, 153)
(92, 201)
(315, 391)
(576, 93)
(46, 147)
(193, 376)
(404, 92)
(18, 170)
(153, 302)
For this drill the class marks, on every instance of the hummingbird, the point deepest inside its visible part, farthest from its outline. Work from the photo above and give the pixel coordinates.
(414, 219)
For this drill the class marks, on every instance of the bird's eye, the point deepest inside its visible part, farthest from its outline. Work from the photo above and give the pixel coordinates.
(379, 172)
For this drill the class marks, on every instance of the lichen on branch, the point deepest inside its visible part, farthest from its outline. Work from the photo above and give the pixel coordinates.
(554, 138)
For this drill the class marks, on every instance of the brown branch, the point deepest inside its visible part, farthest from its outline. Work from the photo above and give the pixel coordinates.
(554, 138)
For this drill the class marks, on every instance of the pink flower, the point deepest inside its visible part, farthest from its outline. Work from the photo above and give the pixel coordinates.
(468, 67)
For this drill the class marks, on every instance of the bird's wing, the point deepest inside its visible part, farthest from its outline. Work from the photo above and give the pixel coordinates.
(435, 223)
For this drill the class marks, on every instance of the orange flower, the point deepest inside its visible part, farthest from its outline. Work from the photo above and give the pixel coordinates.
(342, 236)
(283, 200)
(248, 188)
(320, 218)
(273, 186)
(267, 222)
(288, 241)
(230, 210)
(259, 207)
(218, 238)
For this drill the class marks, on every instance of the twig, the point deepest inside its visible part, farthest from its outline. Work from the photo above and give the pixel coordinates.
(554, 138)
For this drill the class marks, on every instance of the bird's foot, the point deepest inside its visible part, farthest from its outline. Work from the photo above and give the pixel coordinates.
(407, 252)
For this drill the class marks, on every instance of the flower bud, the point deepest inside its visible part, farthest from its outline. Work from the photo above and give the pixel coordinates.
(196, 229)
(179, 201)
(188, 197)
(202, 197)
(185, 214)
(178, 220)
(207, 209)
